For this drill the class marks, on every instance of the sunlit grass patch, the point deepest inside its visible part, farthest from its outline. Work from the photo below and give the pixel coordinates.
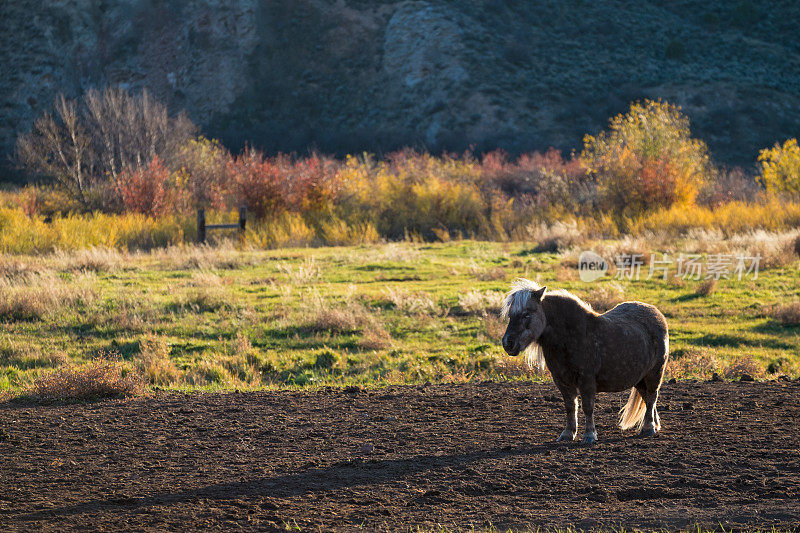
(406, 313)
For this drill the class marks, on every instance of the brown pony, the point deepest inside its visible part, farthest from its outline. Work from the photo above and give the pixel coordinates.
(587, 352)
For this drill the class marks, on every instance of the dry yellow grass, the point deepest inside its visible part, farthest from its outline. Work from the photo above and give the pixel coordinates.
(743, 367)
(787, 314)
(223, 256)
(375, 338)
(95, 259)
(12, 266)
(202, 299)
(731, 218)
(319, 314)
(154, 363)
(557, 237)
(26, 355)
(692, 363)
(703, 363)
(411, 302)
(33, 296)
(480, 303)
(494, 327)
(97, 379)
(606, 297)
(206, 278)
(706, 288)
(301, 274)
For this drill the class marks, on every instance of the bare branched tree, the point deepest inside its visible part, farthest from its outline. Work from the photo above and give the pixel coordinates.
(130, 130)
(87, 143)
(60, 146)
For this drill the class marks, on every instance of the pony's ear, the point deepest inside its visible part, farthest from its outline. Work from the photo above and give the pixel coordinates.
(538, 295)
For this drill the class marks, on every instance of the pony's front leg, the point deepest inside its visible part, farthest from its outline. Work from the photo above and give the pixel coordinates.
(571, 406)
(587, 399)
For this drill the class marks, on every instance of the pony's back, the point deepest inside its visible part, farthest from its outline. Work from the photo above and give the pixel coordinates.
(642, 314)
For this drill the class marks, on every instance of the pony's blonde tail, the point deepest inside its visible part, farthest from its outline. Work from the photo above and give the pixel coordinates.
(632, 415)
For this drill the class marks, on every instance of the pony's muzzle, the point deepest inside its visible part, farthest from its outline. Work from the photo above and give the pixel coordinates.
(510, 347)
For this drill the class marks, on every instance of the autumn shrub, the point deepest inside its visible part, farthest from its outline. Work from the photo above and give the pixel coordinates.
(644, 174)
(148, 189)
(272, 186)
(201, 169)
(730, 185)
(312, 183)
(257, 183)
(647, 159)
(780, 168)
(44, 200)
(545, 178)
(414, 194)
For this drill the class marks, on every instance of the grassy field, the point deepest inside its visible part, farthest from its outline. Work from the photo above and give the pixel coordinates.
(220, 318)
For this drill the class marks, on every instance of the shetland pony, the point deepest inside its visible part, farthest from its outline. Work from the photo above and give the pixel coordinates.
(587, 352)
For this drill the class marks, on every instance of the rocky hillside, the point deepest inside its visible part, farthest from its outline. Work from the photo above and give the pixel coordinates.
(352, 75)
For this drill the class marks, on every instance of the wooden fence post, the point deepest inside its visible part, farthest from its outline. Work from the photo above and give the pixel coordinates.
(201, 225)
(242, 218)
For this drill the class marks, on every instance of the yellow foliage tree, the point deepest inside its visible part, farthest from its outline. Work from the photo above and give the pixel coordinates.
(647, 159)
(780, 168)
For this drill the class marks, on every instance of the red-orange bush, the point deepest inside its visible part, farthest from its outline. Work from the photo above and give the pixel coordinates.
(542, 179)
(269, 186)
(312, 182)
(148, 189)
(258, 183)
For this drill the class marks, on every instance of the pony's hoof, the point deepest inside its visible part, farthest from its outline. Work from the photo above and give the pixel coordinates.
(566, 435)
(589, 438)
(647, 432)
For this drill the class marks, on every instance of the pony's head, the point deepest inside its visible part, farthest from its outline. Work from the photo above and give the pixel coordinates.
(526, 321)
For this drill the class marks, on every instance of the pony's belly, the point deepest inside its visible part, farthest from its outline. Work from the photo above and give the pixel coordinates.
(614, 387)
(621, 374)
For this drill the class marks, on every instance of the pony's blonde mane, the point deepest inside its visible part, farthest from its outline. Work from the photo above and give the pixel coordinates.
(517, 298)
(515, 302)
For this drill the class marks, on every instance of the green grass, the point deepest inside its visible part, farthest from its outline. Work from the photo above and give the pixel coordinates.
(348, 315)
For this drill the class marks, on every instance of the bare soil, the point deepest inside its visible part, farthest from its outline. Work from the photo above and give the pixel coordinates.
(394, 458)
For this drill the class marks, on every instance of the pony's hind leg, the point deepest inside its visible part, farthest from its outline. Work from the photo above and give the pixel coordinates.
(652, 422)
(570, 396)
